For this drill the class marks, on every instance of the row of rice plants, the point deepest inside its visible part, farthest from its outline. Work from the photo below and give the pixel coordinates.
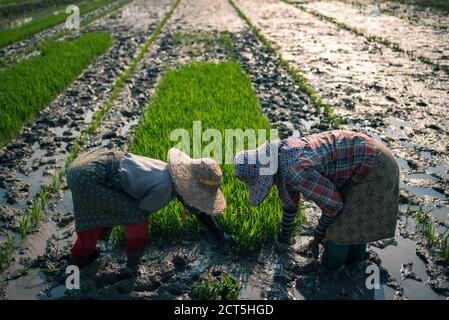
(11, 35)
(221, 97)
(28, 86)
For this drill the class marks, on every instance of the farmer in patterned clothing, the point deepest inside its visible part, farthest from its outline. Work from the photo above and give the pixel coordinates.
(111, 188)
(350, 176)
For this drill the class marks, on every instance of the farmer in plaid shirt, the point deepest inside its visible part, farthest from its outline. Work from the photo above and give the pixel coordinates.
(350, 176)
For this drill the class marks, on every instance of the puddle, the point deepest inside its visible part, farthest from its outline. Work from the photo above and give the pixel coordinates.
(394, 255)
(55, 293)
(250, 292)
(403, 164)
(126, 128)
(426, 154)
(441, 170)
(423, 40)
(26, 287)
(423, 192)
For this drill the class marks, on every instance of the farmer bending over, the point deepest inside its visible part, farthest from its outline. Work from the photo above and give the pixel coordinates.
(352, 178)
(111, 188)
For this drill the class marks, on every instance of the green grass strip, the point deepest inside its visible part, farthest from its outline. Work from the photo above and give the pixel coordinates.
(9, 36)
(28, 86)
(302, 82)
(221, 97)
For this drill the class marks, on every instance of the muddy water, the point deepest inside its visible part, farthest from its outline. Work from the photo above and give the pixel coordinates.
(422, 40)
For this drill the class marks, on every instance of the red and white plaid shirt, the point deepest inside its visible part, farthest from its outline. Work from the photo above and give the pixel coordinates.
(318, 165)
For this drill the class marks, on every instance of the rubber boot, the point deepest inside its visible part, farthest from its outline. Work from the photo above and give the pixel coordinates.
(334, 255)
(357, 252)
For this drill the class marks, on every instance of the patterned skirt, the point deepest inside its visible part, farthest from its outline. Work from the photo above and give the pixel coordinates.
(97, 192)
(370, 207)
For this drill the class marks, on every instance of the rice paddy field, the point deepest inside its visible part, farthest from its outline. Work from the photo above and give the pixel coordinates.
(272, 66)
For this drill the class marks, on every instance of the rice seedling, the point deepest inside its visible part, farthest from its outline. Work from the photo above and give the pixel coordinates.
(443, 245)
(28, 86)
(11, 35)
(35, 213)
(56, 180)
(6, 252)
(117, 235)
(440, 242)
(221, 96)
(24, 223)
(408, 209)
(43, 196)
(224, 288)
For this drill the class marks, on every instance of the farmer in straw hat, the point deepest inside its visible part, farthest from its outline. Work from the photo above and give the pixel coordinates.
(351, 177)
(110, 188)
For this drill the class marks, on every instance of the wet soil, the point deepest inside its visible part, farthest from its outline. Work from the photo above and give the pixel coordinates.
(414, 14)
(172, 266)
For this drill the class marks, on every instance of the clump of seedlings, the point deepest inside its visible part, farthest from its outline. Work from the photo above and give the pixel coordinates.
(6, 252)
(24, 226)
(31, 219)
(433, 239)
(222, 97)
(223, 288)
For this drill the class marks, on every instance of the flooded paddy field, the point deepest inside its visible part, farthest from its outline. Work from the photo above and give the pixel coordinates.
(372, 87)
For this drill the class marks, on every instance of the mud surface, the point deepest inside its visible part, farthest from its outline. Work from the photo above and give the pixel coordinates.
(423, 40)
(171, 267)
